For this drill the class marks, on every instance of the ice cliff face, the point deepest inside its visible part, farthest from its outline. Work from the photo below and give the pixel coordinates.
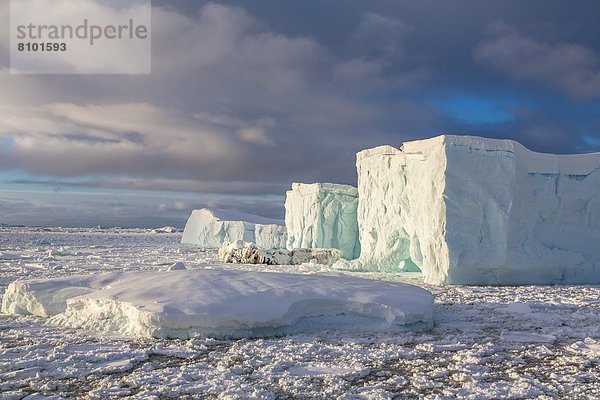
(210, 228)
(469, 210)
(400, 212)
(322, 215)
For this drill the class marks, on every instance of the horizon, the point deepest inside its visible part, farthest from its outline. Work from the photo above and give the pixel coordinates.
(246, 98)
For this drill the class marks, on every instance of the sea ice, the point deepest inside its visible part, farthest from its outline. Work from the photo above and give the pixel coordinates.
(469, 210)
(220, 303)
(527, 337)
(212, 227)
(517, 308)
(166, 229)
(588, 346)
(322, 215)
(463, 357)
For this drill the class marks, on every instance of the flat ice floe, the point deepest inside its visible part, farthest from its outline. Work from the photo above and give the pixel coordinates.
(219, 303)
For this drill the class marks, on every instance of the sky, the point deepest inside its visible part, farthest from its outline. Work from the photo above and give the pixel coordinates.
(246, 97)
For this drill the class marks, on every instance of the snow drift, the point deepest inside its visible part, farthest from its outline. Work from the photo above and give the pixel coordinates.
(322, 215)
(469, 210)
(212, 227)
(219, 304)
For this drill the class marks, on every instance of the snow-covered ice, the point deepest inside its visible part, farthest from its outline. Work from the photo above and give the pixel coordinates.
(220, 303)
(519, 308)
(211, 227)
(322, 215)
(528, 337)
(464, 356)
(249, 253)
(469, 210)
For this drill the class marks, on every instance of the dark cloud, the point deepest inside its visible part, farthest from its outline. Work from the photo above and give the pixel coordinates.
(569, 67)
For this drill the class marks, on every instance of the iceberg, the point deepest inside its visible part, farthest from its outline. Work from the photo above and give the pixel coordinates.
(212, 227)
(470, 210)
(220, 303)
(322, 215)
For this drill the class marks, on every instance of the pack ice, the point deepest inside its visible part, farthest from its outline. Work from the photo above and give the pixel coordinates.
(469, 210)
(212, 227)
(322, 215)
(219, 303)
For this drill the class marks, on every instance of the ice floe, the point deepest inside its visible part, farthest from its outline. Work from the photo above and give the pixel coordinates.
(220, 303)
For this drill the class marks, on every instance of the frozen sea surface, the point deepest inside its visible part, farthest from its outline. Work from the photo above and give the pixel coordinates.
(488, 342)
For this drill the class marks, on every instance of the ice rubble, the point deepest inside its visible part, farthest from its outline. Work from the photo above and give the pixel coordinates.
(248, 253)
(219, 303)
(469, 210)
(211, 227)
(322, 215)
(166, 229)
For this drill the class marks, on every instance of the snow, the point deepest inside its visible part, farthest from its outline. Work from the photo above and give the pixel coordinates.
(528, 337)
(249, 253)
(325, 370)
(322, 215)
(519, 308)
(219, 303)
(468, 210)
(211, 227)
(588, 346)
(463, 356)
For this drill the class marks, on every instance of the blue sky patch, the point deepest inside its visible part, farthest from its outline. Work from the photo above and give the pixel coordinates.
(477, 110)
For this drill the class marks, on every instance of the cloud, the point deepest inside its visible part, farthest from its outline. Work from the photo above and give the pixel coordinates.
(380, 36)
(252, 131)
(569, 67)
(379, 59)
(243, 101)
(66, 139)
(228, 99)
(157, 185)
(224, 44)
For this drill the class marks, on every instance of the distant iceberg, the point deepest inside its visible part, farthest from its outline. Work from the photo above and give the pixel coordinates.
(212, 227)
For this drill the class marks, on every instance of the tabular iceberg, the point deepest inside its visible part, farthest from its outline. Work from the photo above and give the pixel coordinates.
(469, 210)
(212, 227)
(322, 215)
(220, 304)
